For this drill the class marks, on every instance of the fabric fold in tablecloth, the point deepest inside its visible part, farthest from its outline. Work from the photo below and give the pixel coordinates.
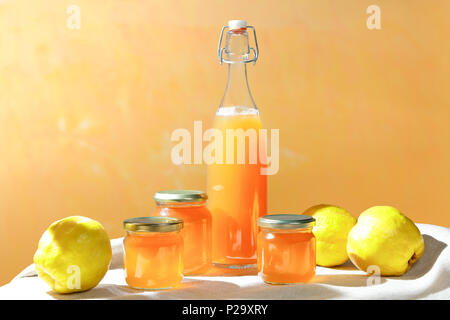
(429, 278)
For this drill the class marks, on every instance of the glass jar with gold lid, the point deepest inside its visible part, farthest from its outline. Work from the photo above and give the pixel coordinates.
(153, 252)
(190, 206)
(286, 248)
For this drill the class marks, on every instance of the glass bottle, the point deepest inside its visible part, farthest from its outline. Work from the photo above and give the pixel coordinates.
(237, 189)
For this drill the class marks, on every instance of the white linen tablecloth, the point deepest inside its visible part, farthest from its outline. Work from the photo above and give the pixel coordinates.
(429, 278)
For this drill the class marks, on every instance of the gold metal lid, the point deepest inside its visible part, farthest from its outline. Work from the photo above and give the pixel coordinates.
(177, 196)
(153, 224)
(286, 221)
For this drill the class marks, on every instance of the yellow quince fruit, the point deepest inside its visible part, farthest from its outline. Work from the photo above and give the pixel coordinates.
(386, 239)
(332, 227)
(73, 254)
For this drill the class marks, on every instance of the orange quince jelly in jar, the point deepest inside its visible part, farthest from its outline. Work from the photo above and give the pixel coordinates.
(286, 248)
(153, 252)
(190, 206)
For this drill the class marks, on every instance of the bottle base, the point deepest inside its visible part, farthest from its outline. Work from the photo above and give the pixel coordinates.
(234, 266)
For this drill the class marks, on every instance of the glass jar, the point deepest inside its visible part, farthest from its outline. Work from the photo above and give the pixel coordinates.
(286, 248)
(190, 206)
(153, 252)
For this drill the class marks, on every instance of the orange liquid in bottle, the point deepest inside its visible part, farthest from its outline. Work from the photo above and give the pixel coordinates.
(237, 194)
(196, 234)
(286, 256)
(153, 260)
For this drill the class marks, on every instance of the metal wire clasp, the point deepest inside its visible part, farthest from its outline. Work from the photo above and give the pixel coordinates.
(255, 51)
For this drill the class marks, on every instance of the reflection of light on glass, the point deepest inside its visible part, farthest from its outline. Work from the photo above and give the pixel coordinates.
(270, 236)
(262, 264)
(238, 239)
(140, 262)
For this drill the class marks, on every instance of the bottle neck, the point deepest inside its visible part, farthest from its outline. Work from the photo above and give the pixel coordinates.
(237, 91)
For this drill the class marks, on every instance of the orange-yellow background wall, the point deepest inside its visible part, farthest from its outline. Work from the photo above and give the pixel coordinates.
(86, 115)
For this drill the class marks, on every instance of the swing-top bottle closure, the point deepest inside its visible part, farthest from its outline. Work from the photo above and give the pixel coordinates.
(237, 28)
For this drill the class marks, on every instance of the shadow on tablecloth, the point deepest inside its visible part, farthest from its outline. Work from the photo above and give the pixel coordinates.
(433, 249)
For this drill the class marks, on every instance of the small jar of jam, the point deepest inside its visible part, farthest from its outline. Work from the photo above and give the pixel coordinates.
(286, 248)
(153, 252)
(190, 206)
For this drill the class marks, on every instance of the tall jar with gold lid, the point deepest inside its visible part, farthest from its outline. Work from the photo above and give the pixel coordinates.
(190, 206)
